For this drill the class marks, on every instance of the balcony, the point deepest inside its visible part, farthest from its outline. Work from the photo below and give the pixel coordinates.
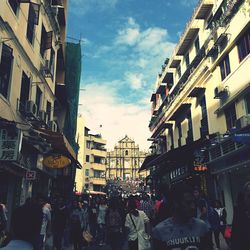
(204, 9)
(98, 166)
(98, 181)
(98, 152)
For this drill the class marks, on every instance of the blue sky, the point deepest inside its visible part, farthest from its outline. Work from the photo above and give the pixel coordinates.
(125, 42)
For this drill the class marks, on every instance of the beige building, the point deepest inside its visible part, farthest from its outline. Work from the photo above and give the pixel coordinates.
(125, 161)
(92, 156)
(32, 70)
(201, 96)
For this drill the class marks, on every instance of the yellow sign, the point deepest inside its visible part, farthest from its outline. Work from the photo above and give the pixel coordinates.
(56, 161)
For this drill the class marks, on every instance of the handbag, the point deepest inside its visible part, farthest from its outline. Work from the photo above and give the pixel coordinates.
(228, 232)
(145, 243)
(87, 236)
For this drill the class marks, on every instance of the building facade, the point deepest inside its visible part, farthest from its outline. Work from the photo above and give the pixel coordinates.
(92, 156)
(200, 106)
(125, 161)
(32, 70)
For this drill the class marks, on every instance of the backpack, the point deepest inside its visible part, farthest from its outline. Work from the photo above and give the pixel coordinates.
(114, 220)
(213, 217)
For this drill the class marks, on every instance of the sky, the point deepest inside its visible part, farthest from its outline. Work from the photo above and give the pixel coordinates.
(124, 44)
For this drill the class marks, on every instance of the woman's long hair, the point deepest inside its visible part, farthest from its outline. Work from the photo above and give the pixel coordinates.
(131, 206)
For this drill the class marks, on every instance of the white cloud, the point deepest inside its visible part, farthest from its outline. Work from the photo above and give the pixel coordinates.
(101, 106)
(135, 80)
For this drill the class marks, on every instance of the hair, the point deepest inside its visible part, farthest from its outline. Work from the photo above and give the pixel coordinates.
(26, 222)
(114, 203)
(132, 206)
(218, 201)
(177, 192)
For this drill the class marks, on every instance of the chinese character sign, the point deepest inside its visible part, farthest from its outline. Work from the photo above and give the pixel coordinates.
(10, 140)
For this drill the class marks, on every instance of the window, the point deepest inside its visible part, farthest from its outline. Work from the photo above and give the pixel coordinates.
(190, 137)
(225, 67)
(126, 152)
(171, 137)
(14, 4)
(204, 121)
(87, 158)
(244, 45)
(52, 61)
(230, 114)
(25, 90)
(33, 19)
(197, 45)
(179, 71)
(48, 109)
(38, 97)
(43, 41)
(247, 101)
(88, 144)
(46, 40)
(179, 133)
(187, 59)
(5, 69)
(86, 172)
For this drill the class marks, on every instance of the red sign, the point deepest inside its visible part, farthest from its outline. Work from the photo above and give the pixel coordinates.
(30, 175)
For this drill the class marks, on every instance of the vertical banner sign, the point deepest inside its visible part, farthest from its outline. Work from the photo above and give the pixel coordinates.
(10, 142)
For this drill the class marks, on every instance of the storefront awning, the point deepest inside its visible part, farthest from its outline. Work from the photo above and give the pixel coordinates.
(181, 154)
(147, 162)
(60, 144)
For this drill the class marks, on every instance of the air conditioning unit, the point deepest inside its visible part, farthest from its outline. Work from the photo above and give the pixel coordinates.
(243, 121)
(220, 92)
(52, 126)
(31, 109)
(43, 116)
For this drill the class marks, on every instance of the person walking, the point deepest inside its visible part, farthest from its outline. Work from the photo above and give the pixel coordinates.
(114, 223)
(60, 217)
(75, 226)
(222, 213)
(102, 209)
(182, 230)
(241, 221)
(137, 224)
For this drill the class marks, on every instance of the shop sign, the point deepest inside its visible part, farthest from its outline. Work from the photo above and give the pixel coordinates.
(10, 143)
(179, 173)
(30, 175)
(242, 137)
(200, 158)
(56, 161)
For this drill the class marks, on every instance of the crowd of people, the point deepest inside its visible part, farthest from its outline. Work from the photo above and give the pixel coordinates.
(182, 218)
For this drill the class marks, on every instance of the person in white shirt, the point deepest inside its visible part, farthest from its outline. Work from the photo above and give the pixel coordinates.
(138, 226)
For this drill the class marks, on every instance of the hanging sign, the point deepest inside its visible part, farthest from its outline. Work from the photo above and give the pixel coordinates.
(30, 175)
(56, 161)
(10, 143)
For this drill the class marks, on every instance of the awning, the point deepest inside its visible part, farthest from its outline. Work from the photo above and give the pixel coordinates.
(161, 88)
(239, 94)
(60, 144)
(182, 109)
(153, 97)
(160, 129)
(197, 91)
(147, 162)
(181, 154)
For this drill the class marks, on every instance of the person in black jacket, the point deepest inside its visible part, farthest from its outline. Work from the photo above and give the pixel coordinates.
(241, 221)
